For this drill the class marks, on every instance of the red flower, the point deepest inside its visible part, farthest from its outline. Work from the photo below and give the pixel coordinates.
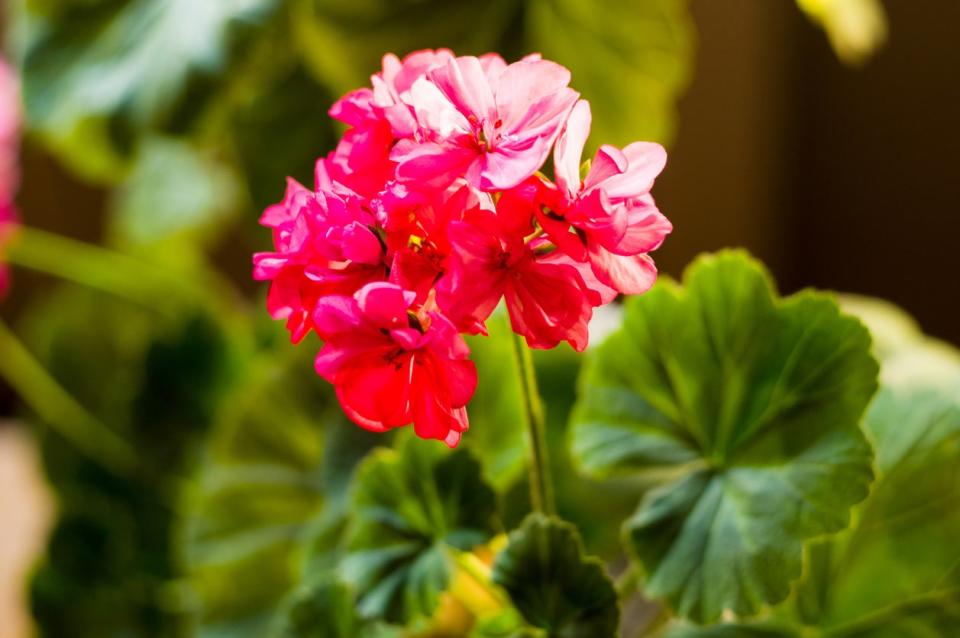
(432, 209)
(500, 255)
(417, 225)
(390, 367)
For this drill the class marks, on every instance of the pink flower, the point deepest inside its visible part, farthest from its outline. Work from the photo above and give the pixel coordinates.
(391, 87)
(9, 164)
(391, 367)
(484, 120)
(324, 246)
(377, 118)
(492, 258)
(611, 209)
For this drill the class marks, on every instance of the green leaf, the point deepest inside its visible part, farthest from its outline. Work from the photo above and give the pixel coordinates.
(553, 584)
(156, 382)
(133, 64)
(411, 507)
(506, 624)
(173, 188)
(630, 59)
(265, 493)
(898, 568)
(750, 404)
(895, 573)
(343, 42)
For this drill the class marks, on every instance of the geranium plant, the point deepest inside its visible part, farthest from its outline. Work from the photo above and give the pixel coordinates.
(743, 410)
(439, 440)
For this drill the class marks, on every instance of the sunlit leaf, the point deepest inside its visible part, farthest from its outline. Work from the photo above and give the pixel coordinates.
(856, 28)
(553, 584)
(173, 188)
(630, 59)
(361, 32)
(751, 404)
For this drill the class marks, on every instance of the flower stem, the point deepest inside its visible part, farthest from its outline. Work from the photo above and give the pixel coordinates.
(60, 410)
(541, 486)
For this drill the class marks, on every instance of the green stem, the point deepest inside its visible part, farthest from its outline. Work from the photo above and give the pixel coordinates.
(60, 410)
(628, 581)
(541, 486)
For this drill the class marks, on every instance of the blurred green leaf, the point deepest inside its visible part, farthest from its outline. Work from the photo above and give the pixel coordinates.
(630, 59)
(279, 125)
(130, 64)
(326, 609)
(173, 188)
(264, 493)
(411, 507)
(553, 584)
(344, 42)
(156, 381)
(856, 28)
(497, 421)
(752, 403)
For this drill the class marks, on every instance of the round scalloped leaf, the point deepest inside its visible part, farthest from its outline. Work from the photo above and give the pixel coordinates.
(752, 403)
(898, 569)
(894, 572)
(553, 584)
(411, 507)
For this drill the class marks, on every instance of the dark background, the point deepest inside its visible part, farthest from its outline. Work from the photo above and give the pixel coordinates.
(836, 177)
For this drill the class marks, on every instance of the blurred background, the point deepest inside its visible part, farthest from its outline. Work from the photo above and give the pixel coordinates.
(821, 135)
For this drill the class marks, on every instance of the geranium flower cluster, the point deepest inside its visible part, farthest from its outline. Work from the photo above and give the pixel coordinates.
(432, 209)
(9, 171)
